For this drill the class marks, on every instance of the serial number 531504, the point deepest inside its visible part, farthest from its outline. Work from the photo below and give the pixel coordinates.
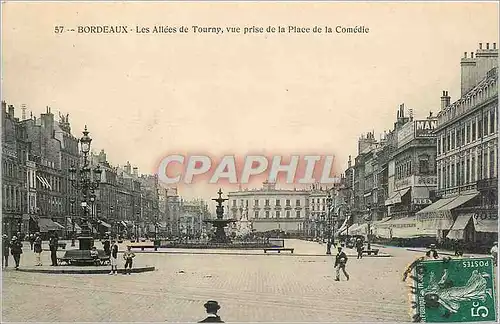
(475, 264)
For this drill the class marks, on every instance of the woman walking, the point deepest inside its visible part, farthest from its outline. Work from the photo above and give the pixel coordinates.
(6, 248)
(37, 247)
(16, 249)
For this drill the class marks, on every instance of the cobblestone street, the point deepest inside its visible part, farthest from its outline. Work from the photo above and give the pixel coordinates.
(268, 288)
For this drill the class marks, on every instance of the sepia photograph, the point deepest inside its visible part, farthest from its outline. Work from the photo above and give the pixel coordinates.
(249, 161)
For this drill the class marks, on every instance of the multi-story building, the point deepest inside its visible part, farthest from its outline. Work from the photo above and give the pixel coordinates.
(14, 175)
(269, 208)
(192, 216)
(467, 155)
(316, 222)
(172, 210)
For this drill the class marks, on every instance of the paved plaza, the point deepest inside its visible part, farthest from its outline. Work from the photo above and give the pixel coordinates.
(265, 288)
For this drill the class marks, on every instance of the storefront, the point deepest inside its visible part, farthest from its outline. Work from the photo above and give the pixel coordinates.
(441, 216)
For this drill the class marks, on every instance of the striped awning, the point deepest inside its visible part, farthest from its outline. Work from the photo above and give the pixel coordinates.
(46, 224)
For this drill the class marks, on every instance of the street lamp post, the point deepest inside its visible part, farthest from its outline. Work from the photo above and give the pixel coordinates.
(82, 180)
(329, 225)
(72, 201)
(369, 220)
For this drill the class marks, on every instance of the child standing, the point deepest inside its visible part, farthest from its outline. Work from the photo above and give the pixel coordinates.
(114, 259)
(128, 256)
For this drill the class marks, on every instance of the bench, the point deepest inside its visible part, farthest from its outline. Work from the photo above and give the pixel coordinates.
(78, 256)
(143, 246)
(370, 252)
(279, 249)
(277, 244)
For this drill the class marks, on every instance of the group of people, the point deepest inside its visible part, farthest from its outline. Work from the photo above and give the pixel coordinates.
(15, 247)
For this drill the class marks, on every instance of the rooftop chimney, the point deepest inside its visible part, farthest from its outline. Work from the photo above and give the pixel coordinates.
(128, 168)
(494, 45)
(11, 111)
(445, 100)
(480, 45)
(471, 54)
(136, 171)
(487, 45)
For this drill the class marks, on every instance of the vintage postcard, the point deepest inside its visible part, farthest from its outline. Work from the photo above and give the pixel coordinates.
(218, 161)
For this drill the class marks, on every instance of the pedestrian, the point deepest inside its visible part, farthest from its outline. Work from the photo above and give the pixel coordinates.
(128, 257)
(340, 263)
(53, 242)
(494, 253)
(107, 247)
(94, 254)
(6, 248)
(432, 253)
(114, 258)
(212, 307)
(37, 247)
(16, 249)
(32, 241)
(359, 248)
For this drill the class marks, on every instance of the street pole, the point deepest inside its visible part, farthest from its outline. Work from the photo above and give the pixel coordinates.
(329, 227)
(72, 201)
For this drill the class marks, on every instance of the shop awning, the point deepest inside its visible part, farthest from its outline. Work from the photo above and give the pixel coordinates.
(457, 231)
(44, 182)
(46, 224)
(343, 227)
(438, 215)
(396, 197)
(486, 225)
(406, 227)
(103, 223)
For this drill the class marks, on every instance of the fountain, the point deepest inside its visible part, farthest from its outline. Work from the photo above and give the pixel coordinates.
(219, 223)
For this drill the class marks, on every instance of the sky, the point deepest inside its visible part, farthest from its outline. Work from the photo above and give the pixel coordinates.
(145, 96)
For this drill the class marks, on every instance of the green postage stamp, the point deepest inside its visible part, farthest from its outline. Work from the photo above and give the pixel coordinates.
(453, 290)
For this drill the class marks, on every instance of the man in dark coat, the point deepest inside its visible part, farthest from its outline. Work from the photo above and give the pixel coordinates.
(16, 249)
(53, 249)
(340, 262)
(359, 248)
(6, 248)
(212, 307)
(432, 253)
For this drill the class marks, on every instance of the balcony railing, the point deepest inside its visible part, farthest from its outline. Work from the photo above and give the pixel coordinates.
(487, 184)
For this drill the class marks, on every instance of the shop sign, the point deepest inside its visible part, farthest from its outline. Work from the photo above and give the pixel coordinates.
(425, 128)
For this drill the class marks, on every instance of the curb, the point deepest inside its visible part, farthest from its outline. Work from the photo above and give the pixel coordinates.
(255, 254)
(84, 271)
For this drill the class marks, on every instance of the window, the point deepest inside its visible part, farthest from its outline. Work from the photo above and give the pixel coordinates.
(485, 125)
(473, 131)
(492, 121)
(492, 164)
(287, 214)
(452, 175)
(439, 146)
(288, 202)
(452, 135)
(473, 169)
(297, 214)
(256, 215)
(256, 202)
(267, 213)
(461, 176)
(467, 170)
(297, 202)
(277, 202)
(479, 128)
(485, 165)
(267, 202)
(424, 164)
(467, 134)
(234, 203)
(278, 214)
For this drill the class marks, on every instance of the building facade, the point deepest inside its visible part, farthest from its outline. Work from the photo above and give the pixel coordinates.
(467, 154)
(269, 208)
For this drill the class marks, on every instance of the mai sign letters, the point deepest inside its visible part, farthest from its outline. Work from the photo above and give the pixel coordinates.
(455, 290)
